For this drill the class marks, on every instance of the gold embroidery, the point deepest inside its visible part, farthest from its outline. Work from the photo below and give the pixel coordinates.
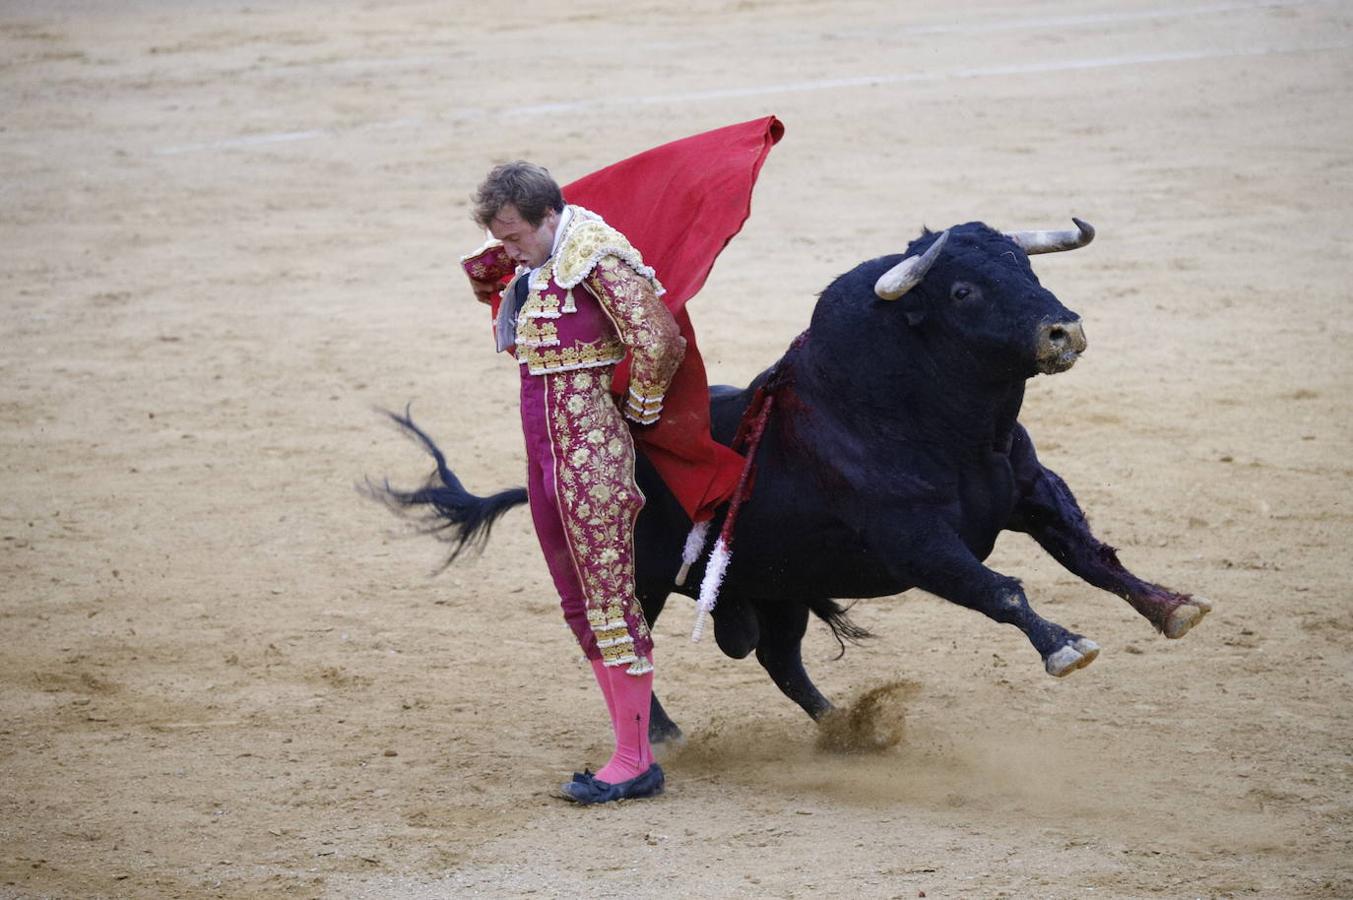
(589, 241)
(489, 263)
(540, 303)
(595, 484)
(582, 355)
(537, 333)
(646, 326)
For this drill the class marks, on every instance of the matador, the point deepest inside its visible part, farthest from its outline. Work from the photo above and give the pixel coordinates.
(580, 299)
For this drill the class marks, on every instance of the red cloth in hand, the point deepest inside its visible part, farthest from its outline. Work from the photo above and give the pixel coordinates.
(680, 204)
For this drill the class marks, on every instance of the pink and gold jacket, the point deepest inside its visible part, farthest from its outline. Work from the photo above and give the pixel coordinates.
(591, 302)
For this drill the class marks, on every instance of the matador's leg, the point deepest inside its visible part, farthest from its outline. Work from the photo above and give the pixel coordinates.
(598, 503)
(546, 516)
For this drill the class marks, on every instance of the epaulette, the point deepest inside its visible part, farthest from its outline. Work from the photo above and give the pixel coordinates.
(589, 240)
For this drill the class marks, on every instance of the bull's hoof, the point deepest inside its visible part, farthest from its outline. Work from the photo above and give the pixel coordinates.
(1185, 616)
(668, 746)
(1076, 655)
(665, 736)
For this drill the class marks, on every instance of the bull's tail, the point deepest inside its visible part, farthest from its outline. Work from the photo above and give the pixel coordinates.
(442, 506)
(837, 619)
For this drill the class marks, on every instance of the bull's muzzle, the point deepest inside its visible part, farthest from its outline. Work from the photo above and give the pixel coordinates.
(1059, 345)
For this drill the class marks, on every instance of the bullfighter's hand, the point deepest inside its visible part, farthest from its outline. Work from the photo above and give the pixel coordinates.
(484, 290)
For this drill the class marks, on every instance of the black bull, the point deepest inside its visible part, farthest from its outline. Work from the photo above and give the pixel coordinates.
(892, 459)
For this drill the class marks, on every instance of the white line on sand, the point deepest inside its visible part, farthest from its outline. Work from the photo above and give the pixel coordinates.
(1073, 21)
(795, 87)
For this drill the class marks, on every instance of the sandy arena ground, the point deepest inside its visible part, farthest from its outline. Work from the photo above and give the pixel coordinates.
(230, 230)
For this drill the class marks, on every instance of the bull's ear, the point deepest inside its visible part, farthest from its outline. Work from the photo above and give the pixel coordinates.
(913, 308)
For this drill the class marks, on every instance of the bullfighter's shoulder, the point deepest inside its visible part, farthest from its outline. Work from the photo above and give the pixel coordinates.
(587, 242)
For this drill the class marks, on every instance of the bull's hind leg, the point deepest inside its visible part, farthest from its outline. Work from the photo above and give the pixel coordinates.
(946, 567)
(782, 626)
(662, 731)
(1048, 512)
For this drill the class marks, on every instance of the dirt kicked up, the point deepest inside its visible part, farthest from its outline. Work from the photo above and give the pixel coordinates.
(231, 230)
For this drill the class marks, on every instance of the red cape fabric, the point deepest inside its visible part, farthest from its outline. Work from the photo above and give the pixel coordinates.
(680, 204)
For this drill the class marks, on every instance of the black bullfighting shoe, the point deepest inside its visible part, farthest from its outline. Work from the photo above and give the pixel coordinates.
(587, 789)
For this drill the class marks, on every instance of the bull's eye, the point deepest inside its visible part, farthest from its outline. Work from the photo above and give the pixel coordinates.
(961, 292)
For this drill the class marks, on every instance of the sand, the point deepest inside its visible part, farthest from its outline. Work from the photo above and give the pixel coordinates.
(230, 232)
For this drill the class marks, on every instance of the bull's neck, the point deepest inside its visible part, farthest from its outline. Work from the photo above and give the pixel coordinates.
(911, 397)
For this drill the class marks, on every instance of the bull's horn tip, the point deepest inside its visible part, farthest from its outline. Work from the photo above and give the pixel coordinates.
(1087, 230)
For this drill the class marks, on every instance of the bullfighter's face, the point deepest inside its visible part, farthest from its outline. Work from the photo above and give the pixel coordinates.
(528, 245)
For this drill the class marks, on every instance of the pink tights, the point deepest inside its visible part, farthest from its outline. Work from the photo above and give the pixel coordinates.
(627, 700)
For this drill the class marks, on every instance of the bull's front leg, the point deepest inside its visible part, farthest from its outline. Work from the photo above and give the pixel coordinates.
(943, 565)
(782, 625)
(1048, 512)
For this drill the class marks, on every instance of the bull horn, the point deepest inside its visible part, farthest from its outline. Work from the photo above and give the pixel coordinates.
(908, 273)
(1032, 242)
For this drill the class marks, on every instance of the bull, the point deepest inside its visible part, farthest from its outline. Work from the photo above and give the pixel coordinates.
(893, 459)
